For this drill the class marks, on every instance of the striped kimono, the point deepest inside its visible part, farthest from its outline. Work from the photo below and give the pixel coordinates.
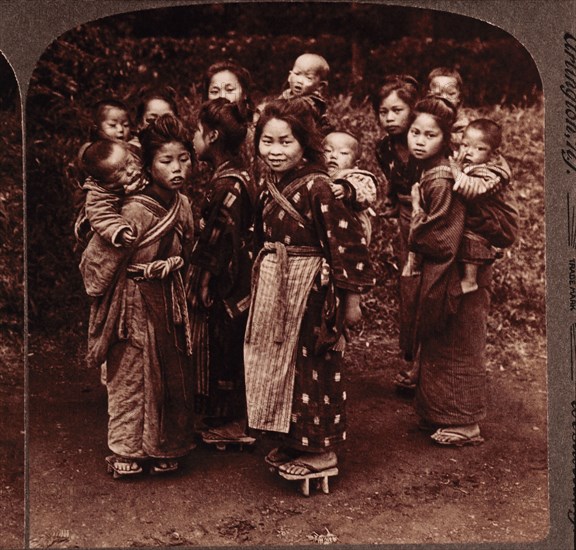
(139, 327)
(451, 327)
(313, 250)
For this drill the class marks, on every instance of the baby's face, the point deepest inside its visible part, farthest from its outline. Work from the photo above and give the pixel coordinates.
(115, 124)
(122, 168)
(446, 87)
(474, 147)
(340, 152)
(304, 78)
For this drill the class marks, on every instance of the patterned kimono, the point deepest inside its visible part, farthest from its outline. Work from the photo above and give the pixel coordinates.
(451, 326)
(224, 249)
(401, 176)
(313, 250)
(139, 327)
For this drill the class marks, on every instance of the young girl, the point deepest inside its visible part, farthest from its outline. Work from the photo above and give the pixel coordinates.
(231, 81)
(307, 278)
(393, 105)
(222, 267)
(140, 326)
(450, 327)
(153, 103)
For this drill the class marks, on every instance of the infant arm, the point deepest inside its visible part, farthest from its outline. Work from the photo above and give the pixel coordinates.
(103, 213)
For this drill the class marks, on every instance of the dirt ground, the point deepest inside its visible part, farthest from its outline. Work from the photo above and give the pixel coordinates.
(394, 486)
(11, 441)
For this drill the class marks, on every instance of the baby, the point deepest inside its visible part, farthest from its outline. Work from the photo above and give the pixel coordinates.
(309, 79)
(112, 169)
(111, 121)
(482, 178)
(349, 183)
(447, 83)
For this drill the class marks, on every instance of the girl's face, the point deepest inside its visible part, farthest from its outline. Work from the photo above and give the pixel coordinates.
(171, 166)
(394, 115)
(225, 84)
(446, 87)
(425, 138)
(115, 124)
(155, 108)
(201, 142)
(279, 148)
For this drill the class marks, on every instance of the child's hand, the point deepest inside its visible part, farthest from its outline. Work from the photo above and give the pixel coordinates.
(205, 297)
(126, 237)
(390, 210)
(338, 190)
(352, 311)
(201, 224)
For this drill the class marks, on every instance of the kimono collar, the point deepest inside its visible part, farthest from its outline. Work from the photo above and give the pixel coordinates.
(300, 171)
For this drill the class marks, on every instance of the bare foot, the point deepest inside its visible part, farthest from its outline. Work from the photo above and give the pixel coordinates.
(307, 463)
(458, 436)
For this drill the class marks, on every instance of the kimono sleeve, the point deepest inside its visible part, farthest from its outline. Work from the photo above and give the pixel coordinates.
(437, 230)
(103, 213)
(219, 241)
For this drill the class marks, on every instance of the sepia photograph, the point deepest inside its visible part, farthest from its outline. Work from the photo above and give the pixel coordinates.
(286, 278)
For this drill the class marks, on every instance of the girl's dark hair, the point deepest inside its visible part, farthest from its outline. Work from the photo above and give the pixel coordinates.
(165, 129)
(405, 86)
(225, 117)
(244, 78)
(145, 95)
(443, 112)
(298, 114)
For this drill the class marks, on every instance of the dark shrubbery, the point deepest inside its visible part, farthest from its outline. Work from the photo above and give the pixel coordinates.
(11, 222)
(92, 62)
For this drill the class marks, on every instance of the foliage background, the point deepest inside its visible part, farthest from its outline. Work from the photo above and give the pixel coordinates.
(11, 204)
(116, 56)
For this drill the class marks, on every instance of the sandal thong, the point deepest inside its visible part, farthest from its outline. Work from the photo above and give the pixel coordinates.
(447, 436)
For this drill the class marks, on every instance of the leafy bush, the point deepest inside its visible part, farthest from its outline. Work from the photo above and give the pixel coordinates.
(92, 62)
(11, 222)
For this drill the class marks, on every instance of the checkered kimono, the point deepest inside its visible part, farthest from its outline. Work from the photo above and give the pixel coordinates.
(313, 251)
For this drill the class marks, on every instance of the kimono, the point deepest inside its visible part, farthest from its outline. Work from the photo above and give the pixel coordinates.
(224, 249)
(139, 327)
(400, 176)
(451, 327)
(312, 252)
